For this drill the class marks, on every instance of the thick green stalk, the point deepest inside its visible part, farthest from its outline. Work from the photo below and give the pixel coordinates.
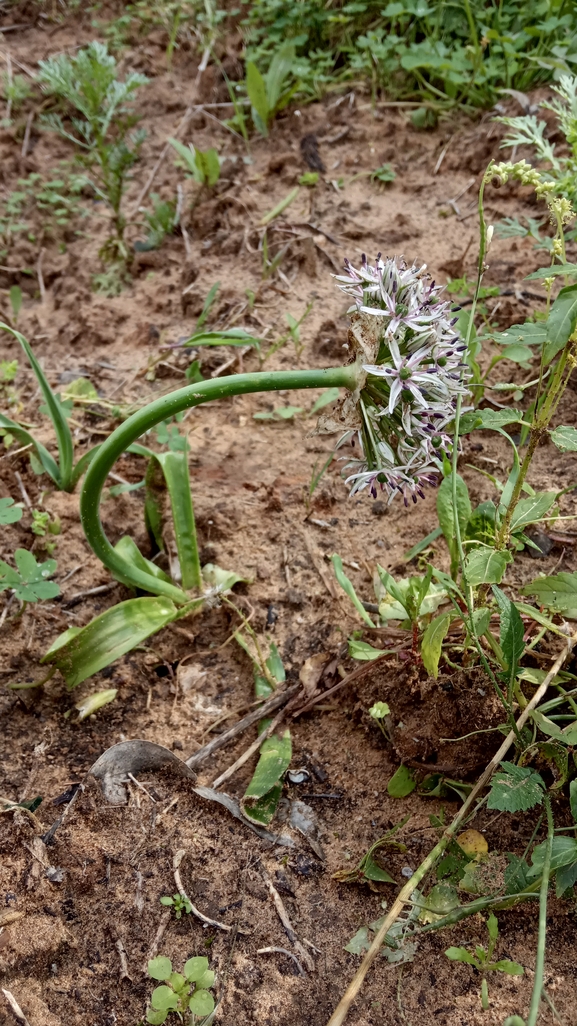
(167, 406)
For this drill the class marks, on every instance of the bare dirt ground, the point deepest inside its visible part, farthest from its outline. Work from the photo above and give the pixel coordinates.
(62, 957)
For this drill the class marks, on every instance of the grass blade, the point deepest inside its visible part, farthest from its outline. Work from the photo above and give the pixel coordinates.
(284, 203)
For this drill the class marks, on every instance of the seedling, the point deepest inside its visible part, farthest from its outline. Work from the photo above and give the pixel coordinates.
(181, 992)
(177, 903)
(379, 712)
(203, 166)
(268, 94)
(368, 870)
(98, 103)
(482, 959)
(10, 512)
(161, 221)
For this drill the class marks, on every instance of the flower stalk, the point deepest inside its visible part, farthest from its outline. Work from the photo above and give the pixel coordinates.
(161, 409)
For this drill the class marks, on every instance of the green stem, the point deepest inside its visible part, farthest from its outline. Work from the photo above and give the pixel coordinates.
(167, 406)
(542, 937)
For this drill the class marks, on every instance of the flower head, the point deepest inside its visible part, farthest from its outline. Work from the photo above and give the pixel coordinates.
(412, 359)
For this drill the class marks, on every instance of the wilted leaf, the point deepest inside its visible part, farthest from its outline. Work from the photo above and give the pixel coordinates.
(473, 843)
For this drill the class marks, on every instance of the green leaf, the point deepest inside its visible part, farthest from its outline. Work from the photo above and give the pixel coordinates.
(127, 548)
(92, 703)
(280, 66)
(262, 810)
(528, 334)
(364, 652)
(481, 524)
(516, 789)
(565, 438)
(441, 899)
(164, 999)
(201, 1003)
(275, 757)
(15, 294)
(422, 545)
(257, 94)
(206, 981)
(551, 272)
(109, 636)
(175, 469)
(481, 620)
(566, 878)
(493, 927)
(60, 424)
(506, 966)
(347, 587)
(360, 942)
(563, 853)
(280, 207)
(494, 419)
(533, 509)
(49, 464)
(511, 632)
(446, 513)
(460, 955)
(231, 337)
(558, 592)
(9, 513)
(561, 322)
(329, 396)
(372, 871)
(29, 580)
(275, 664)
(432, 643)
(486, 566)
(156, 1018)
(402, 783)
(208, 166)
(195, 968)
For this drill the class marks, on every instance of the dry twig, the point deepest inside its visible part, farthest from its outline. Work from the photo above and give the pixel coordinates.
(283, 916)
(274, 702)
(15, 1008)
(178, 881)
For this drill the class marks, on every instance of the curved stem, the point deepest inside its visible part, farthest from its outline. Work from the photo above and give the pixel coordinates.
(161, 409)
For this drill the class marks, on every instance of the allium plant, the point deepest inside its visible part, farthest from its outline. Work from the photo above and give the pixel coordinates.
(412, 372)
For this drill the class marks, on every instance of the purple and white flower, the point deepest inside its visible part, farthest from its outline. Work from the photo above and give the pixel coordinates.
(413, 377)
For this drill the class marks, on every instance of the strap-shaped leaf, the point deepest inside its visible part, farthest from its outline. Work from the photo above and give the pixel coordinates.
(432, 643)
(175, 469)
(48, 462)
(63, 435)
(109, 636)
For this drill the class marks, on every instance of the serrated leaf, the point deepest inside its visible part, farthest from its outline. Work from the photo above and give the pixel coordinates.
(511, 631)
(402, 783)
(516, 789)
(557, 592)
(486, 566)
(565, 438)
(508, 967)
(432, 643)
(531, 510)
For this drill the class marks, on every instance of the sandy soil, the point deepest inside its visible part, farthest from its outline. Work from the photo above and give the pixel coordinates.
(62, 957)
